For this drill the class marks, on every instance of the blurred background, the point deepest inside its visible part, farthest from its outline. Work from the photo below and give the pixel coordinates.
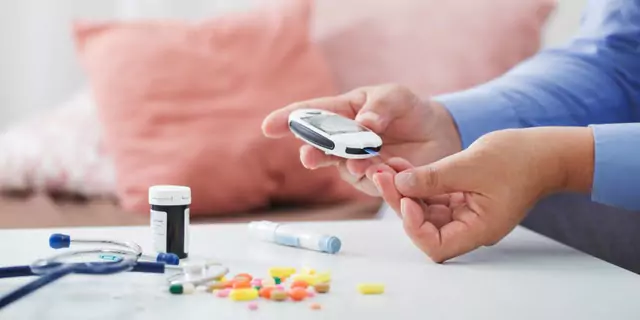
(38, 64)
(52, 143)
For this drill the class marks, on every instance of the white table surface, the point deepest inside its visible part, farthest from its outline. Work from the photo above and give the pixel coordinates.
(526, 276)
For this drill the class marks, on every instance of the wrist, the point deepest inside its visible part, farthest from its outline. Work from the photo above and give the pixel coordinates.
(445, 129)
(568, 153)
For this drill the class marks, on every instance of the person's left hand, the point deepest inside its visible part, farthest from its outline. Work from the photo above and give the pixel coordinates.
(476, 197)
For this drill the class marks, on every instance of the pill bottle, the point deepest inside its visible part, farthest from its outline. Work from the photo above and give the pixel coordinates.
(170, 219)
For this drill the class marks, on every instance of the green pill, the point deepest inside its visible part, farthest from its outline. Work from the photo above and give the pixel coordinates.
(176, 289)
(277, 280)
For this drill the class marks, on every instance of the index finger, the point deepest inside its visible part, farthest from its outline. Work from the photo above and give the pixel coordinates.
(276, 123)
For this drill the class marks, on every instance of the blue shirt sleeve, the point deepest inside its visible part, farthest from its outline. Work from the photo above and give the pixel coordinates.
(592, 81)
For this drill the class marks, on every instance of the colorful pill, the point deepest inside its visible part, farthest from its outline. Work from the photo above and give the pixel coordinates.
(322, 277)
(256, 282)
(371, 288)
(243, 294)
(188, 288)
(321, 287)
(266, 292)
(176, 289)
(278, 295)
(307, 270)
(281, 272)
(268, 282)
(252, 306)
(278, 280)
(244, 275)
(223, 293)
(241, 285)
(279, 287)
(315, 306)
(310, 294)
(297, 294)
(309, 279)
(299, 284)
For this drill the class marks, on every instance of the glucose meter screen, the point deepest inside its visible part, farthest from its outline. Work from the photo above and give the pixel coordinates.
(333, 124)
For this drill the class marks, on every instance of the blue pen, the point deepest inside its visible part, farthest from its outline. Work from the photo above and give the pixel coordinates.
(290, 236)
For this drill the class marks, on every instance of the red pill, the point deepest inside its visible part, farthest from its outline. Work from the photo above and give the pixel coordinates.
(298, 294)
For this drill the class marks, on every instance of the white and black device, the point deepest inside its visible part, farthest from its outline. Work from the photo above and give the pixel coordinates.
(334, 134)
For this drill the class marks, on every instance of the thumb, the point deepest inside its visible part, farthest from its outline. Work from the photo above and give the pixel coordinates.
(381, 106)
(448, 175)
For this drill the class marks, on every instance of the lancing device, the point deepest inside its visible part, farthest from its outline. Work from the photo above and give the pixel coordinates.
(287, 235)
(334, 134)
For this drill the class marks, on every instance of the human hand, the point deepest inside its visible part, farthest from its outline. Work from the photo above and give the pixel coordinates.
(417, 131)
(476, 197)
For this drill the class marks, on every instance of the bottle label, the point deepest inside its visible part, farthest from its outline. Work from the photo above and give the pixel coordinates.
(186, 230)
(159, 230)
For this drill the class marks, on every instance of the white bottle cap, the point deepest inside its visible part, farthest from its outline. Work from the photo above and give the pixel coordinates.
(167, 195)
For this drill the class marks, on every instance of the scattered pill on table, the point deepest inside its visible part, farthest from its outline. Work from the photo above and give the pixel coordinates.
(315, 306)
(281, 272)
(307, 270)
(256, 282)
(299, 284)
(253, 306)
(321, 287)
(243, 294)
(244, 275)
(216, 286)
(241, 285)
(176, 289)
(278, 295)
(223, 293)
(297, 294)
(279, 286)
(188, 288)
(310, 294)
(308, 278)
(265, 292)
(278, 280)
(322, 277)
(371, 288)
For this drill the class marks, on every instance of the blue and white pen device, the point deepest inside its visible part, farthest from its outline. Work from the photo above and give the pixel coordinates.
(287, 235)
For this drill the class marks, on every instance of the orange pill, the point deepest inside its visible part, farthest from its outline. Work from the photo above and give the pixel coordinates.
(241, 284)
(266, 292)
(315, 306)
(244, 275)
(299, 284)
(298, 294)
(229, 284)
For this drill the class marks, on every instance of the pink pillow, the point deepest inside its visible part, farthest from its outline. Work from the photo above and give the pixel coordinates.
(432, 46)
(182, 103)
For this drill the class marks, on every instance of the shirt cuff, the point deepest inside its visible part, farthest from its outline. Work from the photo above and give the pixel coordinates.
(616, 176)
(479, 111)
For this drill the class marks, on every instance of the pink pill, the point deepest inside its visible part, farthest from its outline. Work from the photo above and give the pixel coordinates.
(256, 282)
(310, 294)
(280, 287)
(223, 293)
(253, 306)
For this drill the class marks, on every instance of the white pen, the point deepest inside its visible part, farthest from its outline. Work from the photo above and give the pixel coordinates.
(287, 235)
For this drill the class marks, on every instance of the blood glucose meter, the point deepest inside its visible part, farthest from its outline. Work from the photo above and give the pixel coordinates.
(334, 134)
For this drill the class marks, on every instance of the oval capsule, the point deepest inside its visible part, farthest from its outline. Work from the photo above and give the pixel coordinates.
(371, 288)
(243, 294)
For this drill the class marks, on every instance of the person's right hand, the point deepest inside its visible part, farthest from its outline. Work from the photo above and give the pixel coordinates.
(418, 131)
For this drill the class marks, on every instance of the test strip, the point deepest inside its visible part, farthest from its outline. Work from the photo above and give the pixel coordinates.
(371, 152)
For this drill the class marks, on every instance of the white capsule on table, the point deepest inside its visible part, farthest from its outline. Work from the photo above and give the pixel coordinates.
(188, 288)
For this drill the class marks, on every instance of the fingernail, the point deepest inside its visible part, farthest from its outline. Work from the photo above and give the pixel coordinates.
(368, 116)
(405, 179)
(403, 207)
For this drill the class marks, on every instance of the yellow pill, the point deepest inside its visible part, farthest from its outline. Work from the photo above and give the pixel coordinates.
(371, 288)
(307, 270)
(310, 279)
(243, 294)
(323, 277)
(281, 272)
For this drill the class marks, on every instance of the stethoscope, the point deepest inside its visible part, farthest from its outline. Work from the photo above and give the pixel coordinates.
(128, 256)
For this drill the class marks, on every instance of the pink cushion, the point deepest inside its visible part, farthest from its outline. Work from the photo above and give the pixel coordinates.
(182, 103)
(432, 46)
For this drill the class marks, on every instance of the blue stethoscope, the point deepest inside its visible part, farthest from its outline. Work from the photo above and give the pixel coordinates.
(127, 257)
